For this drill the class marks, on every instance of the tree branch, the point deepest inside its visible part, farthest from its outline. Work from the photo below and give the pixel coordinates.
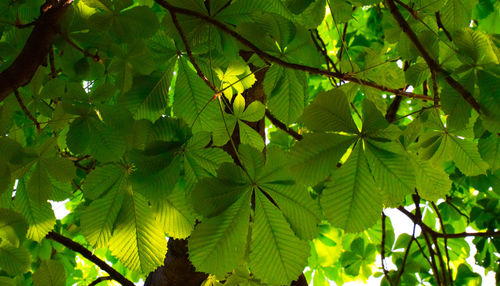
(448, 235)
(115, 275)
(26, 111)
(382, 251)
(99, 280)
(20, 72)
(276, 60)
(275, 121)
(433, 65)
(450, 276)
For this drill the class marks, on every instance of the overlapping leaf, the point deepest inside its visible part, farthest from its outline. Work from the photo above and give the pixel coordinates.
(352, 200)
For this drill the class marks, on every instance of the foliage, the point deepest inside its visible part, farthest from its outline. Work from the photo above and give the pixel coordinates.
(269, 134)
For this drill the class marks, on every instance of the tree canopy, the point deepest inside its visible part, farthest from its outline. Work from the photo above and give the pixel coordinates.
(248, 142)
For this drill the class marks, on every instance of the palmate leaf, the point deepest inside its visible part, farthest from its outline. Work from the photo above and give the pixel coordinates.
(191, 96)
(299, 209)
(315, 156)
(103, 179)
(201, 162)
(465, 155)
(277, 256)
(286, 91)
(175, 214)
(97, 219)
(14, 260)
(351, 199)
(212, 196)
(50, 273)
(40, 217)
(456, 14)
(389, 167)
(329, 112)
(489, 149)
(220, 242)
(432, 183)
(138, 240)
(13, 227)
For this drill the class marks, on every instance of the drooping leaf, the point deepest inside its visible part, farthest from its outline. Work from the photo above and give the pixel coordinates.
(432, 183)
(50, 273)
(286, 93)
(13, 227)
(175, 214)
(466, 156)
(219, 243)
(277, 256)
(489, 149)
(98, 219)
(329, 112)
(138, 240)
(351, 199)
(390, 170)
(40, 217)
(316, 156)
(14, 260)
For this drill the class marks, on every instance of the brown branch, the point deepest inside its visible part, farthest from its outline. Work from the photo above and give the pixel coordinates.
(95, 57)
(26, 111)
(276, 122)
(448, 235)
(445, 242)
(433, 65)
(382, 250)
(188, 50)
(99, 280)
(36, 48)
(115, 275)
(407, 252)
(440, 25)
(276, 60)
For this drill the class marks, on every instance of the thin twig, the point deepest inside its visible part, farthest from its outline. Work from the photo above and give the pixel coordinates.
(188, 50)
(115, 275)
(276, 60)
(433, 64)
(448, 198)
(407, 252)
(276, 122)
(26, 111)
(100, 279)
(382, 250)
(450, 276)
(414, 112)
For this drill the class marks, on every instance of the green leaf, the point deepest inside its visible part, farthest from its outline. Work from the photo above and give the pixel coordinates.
(315, 157)
(297, 205)
(254, 112)
(137, 22)
(13, 227)
(456, 14)
(389, 167)
(50, 273)
(351, 199)
(456, 107)
(277, 256)
(432, 183)
(191, 96)
(148, 97)
(97, 219)
(489, 149)
(249, 136)
(489, 86)
(219, 243)
(40, 217)
(372, 118)
(103, 179)
(466, 156)
(175, 214)
(39, 186)
(329, 112)
(5, 176)
(14, 260)
(212, 196)
(201, 162)
(286, 92)
(138, 240)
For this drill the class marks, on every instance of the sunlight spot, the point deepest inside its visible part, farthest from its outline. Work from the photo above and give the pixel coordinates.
(392, 96)
(384, 95)
(490, 189)
(87, 85)
(408, 101)
(60, 209)
(410, 108)
(409, 88)
(175, 73)
(409, 117)
(400, 64)
(461, 137)
(475, 192)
